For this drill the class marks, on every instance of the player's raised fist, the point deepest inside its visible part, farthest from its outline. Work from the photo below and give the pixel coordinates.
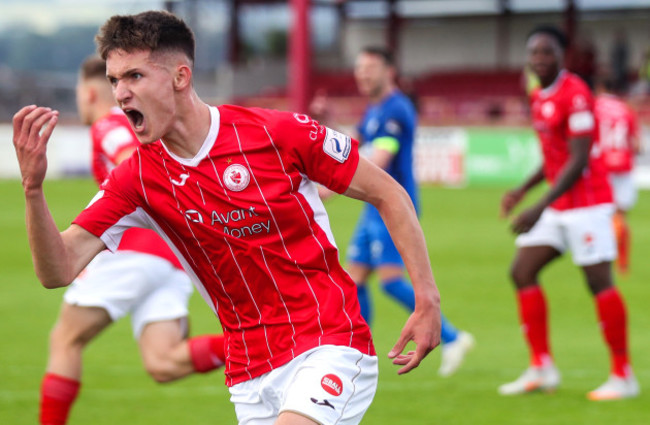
(33, 127)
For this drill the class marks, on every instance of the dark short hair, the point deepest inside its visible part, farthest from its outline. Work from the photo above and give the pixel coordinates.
(385, 54)
(93, 67)
(552, 31)
(156, 31)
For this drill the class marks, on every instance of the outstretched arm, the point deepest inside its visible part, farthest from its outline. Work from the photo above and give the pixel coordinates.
(514, 196)
(58, 257)
(373, 185)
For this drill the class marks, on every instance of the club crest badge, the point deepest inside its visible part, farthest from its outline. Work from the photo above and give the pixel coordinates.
(236, 177)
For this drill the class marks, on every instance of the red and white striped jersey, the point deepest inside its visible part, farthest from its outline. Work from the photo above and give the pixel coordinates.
(111, 135)
(246, 218)
(561, 112)
(618, 126)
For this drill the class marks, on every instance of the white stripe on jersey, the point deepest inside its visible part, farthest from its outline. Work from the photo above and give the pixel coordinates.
(198, 186)
(284, 170)
(275, 283)
(216, 173)
(144, 192)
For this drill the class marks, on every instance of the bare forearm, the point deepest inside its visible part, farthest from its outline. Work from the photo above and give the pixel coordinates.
(48, 250)
(58, 257)
(567, 178)
(536, 178)
(401, 220)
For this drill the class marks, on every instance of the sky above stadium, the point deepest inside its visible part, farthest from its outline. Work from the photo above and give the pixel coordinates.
(48, 15)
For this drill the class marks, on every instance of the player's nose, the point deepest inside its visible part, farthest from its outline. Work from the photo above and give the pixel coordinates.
(121, 93)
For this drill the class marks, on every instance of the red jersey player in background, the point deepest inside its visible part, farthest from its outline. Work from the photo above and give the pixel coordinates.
(618, 131)
(573, 214)
(143, 279)
(232, 191)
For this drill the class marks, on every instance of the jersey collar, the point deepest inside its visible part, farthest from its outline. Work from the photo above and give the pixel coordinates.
(208, 143)
(550, 90)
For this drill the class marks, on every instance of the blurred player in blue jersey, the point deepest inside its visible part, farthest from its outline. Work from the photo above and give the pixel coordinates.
(387, 133)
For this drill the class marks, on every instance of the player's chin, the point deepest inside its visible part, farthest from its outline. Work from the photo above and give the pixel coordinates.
(145, 138)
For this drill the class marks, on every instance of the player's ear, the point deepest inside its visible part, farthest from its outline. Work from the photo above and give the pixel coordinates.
(91, 94)
(182, 77)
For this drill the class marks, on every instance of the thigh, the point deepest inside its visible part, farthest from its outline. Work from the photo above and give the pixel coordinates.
(359, 272)
(529, 261)
(159, 339)
(79, 324)
(293, 418)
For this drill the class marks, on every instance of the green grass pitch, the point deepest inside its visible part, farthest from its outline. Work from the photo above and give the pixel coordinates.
(470, 249)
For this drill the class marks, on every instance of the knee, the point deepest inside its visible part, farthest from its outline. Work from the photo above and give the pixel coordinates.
(159, 370)
(65, 339)
(521, 277)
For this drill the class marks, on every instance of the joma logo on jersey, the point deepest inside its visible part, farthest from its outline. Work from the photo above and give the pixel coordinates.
(183, 177)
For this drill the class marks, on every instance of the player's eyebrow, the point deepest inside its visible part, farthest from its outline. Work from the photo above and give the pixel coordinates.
(126, 73)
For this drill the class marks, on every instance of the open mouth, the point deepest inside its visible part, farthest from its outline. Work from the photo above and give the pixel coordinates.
(135, 117)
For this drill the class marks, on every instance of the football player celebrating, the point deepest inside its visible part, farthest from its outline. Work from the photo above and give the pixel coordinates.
(232, 191)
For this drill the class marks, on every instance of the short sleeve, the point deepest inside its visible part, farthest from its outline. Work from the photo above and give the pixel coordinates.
(110, 213)
(580, 112)
(324, 155)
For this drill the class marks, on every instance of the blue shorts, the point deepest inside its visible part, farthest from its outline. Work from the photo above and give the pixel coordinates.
(372, 245)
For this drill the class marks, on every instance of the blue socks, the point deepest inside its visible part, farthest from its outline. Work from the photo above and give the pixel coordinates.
(402, 291)
(448, 333)
(364, 302)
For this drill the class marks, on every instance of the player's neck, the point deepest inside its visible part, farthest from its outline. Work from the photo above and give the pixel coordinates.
(382, 94)
(548, 81)
(190, 129)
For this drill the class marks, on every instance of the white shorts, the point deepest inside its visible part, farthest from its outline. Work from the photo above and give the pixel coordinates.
(150, 288)
(625, 191)
(328, 384)
(586, 232)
